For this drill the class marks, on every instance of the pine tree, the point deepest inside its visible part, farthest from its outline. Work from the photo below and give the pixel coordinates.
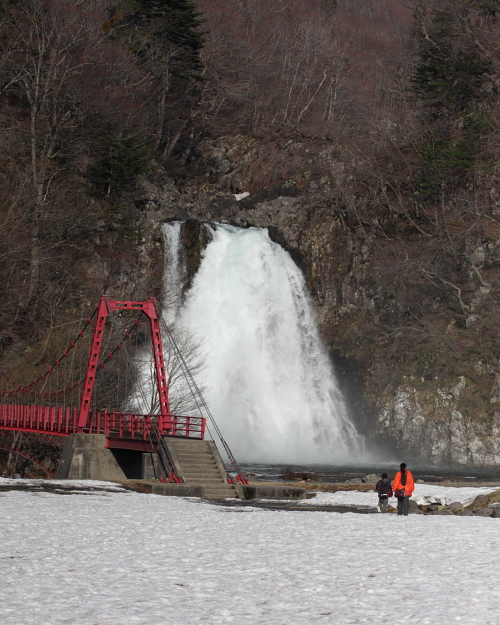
(166, 38)
(173, 24)
(120, 160)
(451, 69)
(448, 81)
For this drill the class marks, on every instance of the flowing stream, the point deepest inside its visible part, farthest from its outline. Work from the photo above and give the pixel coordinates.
(267, 377)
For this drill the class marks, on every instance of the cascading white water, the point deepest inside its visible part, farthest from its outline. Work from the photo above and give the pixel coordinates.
(173, 272)
(268, 379)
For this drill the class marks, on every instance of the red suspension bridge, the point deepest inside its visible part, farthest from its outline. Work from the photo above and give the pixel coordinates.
(109, 381)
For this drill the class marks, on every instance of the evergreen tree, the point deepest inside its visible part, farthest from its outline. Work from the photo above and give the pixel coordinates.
(174, 25)
(451, 68)
(449, 81)
(166, 38)
(120, 160)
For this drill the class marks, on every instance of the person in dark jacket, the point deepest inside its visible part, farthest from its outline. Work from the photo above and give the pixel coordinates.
(384, 491)
(403, 487)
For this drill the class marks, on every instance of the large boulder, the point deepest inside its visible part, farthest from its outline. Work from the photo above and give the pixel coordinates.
(455, 507)
(413, 507)
(371, 479)
(484, 512)
(481, 501)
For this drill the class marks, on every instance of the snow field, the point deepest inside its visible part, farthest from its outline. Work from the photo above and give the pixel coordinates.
(128, 558)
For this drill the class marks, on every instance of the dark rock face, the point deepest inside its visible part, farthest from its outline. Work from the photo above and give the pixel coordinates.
(194, 238)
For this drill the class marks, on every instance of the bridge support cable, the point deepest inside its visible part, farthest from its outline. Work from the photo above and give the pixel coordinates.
(25, 456)
(15, 389)
(167, 466)
(202, 405)
(20, 451)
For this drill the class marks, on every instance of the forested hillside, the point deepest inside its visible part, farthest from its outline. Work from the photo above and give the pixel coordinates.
(366, 133)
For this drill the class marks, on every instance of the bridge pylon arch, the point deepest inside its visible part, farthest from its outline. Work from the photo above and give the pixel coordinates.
(105, 308)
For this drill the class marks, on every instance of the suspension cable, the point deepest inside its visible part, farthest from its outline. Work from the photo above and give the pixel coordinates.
(198, 396)
(50, 370)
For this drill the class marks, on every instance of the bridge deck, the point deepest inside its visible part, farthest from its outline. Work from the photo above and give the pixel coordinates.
(123, 430)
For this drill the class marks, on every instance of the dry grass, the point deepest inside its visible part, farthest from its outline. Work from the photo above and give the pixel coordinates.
(325, 487)
(494, 497)
(140, 486)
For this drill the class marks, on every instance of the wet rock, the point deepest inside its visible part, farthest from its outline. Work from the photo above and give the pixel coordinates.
(442, 512)
(370, 479)
(465, 513)
(455, 507)
(248, 475)
(194, 237)
(413, 507)
(484, 512)
(496, 513)
(481, 501)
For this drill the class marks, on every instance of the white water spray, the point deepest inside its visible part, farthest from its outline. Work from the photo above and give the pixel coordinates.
(270, 384)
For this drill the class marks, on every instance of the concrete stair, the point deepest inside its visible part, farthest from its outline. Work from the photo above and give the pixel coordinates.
(198, 462)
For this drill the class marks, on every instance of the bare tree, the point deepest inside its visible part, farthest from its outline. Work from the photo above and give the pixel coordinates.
(183, 402)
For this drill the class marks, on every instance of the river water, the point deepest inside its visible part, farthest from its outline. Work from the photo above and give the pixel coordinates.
(337, 474)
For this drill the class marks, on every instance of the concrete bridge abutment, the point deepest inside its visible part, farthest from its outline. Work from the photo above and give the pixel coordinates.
(85, 457)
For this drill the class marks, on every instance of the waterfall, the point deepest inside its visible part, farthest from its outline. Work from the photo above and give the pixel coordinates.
(173, 272)
(268, 380)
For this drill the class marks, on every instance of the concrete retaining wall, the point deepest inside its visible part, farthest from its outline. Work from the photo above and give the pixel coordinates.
(178, 490)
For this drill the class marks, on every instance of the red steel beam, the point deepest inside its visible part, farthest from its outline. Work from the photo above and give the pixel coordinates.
(106, 306)
(88, 387)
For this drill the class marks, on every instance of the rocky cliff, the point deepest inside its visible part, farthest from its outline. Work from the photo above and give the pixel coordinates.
(403, 341)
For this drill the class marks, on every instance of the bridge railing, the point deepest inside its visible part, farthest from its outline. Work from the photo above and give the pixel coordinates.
(63, 421)
(43, 419)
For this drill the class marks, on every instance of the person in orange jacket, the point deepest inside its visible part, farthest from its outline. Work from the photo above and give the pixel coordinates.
(403, 487)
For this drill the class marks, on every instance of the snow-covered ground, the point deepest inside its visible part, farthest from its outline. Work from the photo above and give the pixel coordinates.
(446, 494)
(123, 558)
(62, 485)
